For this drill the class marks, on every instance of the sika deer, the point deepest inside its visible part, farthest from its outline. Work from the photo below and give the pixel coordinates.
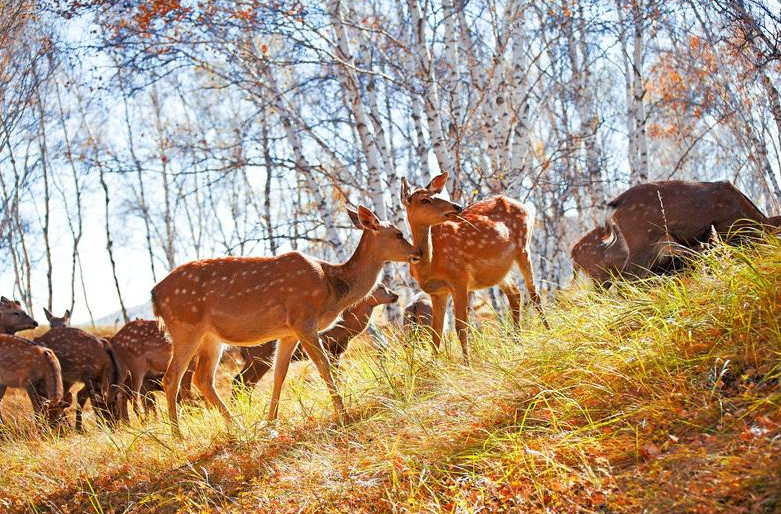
(55, 322)
(417, 313)
(24, 365)
(13, 318)
(87, 359)
(468, 249)
(246, 300)
(353, 322)
(646, 218)
(143, 353)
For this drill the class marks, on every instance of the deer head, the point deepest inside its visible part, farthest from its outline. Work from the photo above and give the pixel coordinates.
(385, 239)
(58, 322)
(13, 318)
(424, 207)
(382, 295)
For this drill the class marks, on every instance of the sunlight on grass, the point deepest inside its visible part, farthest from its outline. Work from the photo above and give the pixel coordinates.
(660, 396)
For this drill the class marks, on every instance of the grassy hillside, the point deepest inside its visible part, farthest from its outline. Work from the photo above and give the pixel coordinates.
(660, 397)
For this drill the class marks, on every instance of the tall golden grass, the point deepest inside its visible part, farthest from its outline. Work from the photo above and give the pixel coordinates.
(659, 396)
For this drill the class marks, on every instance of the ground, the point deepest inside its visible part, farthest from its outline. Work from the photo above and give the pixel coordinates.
(653, 397)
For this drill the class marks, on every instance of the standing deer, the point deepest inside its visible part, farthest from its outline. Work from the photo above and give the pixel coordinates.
(13, 318)
(24, 365)
(246, 300)
(646, 218)
(87, 359)
(468, 249)
(143, 353)
(353, 322)
(57, 322)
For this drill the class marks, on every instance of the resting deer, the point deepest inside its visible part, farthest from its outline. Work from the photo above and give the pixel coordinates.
(247, 300)
(646, 218)
(24, 365)
(353, 322)
(55, 322)
(87, 359)
(13, 318)
(468, 249)
(143, 353)
(417, 313)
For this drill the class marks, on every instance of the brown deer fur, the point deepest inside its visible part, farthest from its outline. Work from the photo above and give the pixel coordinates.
(25, 365)
(87, 359)
(353, 322)
(646, 218)
(247, 300)
(466, 250)
(13, 318)
(58, 322)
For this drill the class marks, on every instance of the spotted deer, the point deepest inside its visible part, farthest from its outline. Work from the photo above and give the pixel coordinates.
(646, 219)
(35, 369)
(13, 318)
(352, 323)
(85, 358)
(417, 313)
(467, 249)
(58, 322)
(244, 301)
(142, 351)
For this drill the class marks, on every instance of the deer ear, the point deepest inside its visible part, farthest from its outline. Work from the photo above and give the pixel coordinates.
(48, 314)
(368, 219)
(354, 218)
(404, 194)
(67, 314)
(437, 184)
(3, 299)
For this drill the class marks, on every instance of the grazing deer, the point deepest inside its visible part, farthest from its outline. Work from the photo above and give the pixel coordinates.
(143, 353)
(647, 218)
(417, 313)
(468, 249)
(24, 365)
(246, 300)
(13, 318)
(353, 322)
(87, 359)
(55, 322)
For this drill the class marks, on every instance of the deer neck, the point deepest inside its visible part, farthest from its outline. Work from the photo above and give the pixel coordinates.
(421, 238)
(361, 271)
(357, 317)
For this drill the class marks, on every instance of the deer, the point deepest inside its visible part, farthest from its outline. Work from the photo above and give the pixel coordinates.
(143, 352)
(417, 313)
(13, 318)
(87, 359)
(647, 219)
(35, 369)
(243, 301)
(352, 323)
(467, 249)
(58, 322)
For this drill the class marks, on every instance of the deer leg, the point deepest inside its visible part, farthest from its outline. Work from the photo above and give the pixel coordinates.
(525, 265)
(311, 343)
(81, 399)
(185, 344)
(255, 366)
(438, 308)
(461, 311)
(137, 394)
(35, 400)
(208, 360)
(513, 295)
(285, 348)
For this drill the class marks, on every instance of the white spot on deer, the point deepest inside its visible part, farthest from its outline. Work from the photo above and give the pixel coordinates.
(194, 308)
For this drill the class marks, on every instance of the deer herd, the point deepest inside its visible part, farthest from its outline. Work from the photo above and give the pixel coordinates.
(293, 306)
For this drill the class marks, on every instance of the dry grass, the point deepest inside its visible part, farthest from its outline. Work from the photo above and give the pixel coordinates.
(658, 397)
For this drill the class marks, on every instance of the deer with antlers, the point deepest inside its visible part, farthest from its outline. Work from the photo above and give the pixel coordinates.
(13, 318)
(468, 249)
(353, 322)
(35, 369)
(247, 300)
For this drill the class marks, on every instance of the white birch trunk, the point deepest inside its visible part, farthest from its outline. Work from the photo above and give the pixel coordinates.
(521, 158)
(641, 174)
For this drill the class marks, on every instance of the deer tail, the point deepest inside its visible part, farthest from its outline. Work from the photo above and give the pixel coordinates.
(531, 218)
(52, 376)
(157, 310)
